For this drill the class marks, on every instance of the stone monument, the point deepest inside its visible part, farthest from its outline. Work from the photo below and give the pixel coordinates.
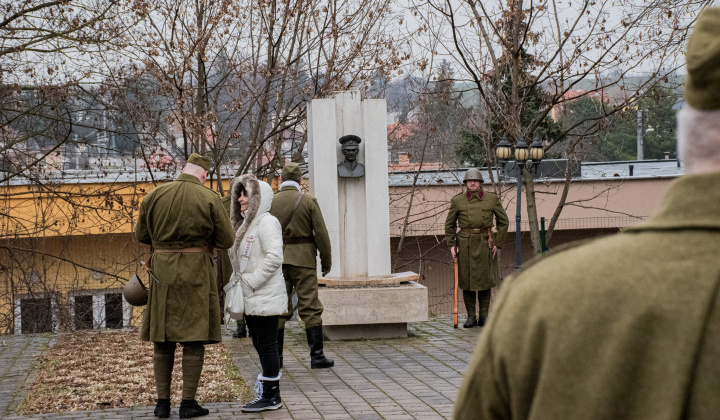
(347, 148)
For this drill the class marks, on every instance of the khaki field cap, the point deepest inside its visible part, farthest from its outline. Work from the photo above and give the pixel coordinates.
(292, 172)
(199, 160)
(702, 85)
(135, 292)
(473, 175)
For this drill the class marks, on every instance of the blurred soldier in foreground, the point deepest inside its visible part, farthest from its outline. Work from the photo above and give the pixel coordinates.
(468, 232)
(304, 236)
(183, 221)
(625, 327)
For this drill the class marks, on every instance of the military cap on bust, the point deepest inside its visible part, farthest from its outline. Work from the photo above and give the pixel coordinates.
(292, 172)
(702, 86)
(350, 138)
(199, 160)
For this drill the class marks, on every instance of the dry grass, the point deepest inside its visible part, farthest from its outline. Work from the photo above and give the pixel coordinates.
(96, 370)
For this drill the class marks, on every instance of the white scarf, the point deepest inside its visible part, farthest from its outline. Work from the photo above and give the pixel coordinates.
(290, 184)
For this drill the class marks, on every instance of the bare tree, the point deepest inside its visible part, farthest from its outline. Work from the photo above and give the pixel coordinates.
(235, 76)
(510, 49)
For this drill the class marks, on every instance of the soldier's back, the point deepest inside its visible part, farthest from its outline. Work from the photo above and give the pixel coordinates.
(622, 327)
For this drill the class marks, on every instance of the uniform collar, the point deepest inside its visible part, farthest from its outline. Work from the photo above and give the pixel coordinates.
(188, 177)
(290, 183)
(469, 195)
(692, 202)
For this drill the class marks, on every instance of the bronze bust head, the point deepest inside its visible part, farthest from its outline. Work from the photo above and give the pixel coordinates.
(350, 168)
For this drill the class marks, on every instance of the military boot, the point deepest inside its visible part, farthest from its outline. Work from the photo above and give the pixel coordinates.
(280, 340)
(471, 322)
(315, 342)
(482, 321)
(190, 409)
(267, 395)
(162, 408)
(241, 331)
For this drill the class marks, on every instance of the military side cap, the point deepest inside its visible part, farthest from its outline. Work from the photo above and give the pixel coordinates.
(350, 138)
(199, 160)
(702, 86)
(292, 172)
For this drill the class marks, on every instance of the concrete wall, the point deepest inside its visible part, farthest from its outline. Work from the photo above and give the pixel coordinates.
(429, 257)
(589, 204)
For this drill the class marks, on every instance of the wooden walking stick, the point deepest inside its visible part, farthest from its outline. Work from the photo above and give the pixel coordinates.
(455, 309)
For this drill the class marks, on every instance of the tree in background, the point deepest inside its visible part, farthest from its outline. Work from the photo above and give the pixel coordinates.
(606, 136)
(236, 75)
(660, 104)
(477, 147)
(149, 80)
(440, 116)
(586, 122)
(587, 46)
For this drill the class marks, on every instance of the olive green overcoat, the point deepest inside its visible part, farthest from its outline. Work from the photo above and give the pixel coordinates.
(477, 269)
(183, 303)
(625, 327)
(307, 221)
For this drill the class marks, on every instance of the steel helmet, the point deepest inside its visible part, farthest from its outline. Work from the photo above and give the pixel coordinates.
(473, 174)
(135, 292)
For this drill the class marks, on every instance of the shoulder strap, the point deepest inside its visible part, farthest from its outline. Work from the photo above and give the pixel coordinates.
(292, 213)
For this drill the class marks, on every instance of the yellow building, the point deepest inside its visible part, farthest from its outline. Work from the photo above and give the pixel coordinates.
(67, 245)
(67, 250)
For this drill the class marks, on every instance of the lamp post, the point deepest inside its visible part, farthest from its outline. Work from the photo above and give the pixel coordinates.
(522, 153)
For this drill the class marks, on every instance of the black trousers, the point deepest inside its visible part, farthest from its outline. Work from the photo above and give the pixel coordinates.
(263, 330)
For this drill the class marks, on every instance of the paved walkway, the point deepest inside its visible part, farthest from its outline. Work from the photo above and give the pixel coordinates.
(409, 378)
(18, 354)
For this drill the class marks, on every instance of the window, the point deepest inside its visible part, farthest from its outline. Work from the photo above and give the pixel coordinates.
(113, 310)
(83, 308)
(35, 315)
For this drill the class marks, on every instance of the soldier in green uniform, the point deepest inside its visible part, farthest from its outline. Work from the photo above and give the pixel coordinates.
(225, 270)
(468, 232)
(183, 221)
(628, 326)
(304, 236)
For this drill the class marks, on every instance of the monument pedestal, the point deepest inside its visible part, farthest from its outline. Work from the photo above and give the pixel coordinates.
(372, 307)
(354, 311)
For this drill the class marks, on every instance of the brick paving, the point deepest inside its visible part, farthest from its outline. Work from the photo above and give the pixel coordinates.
(408, 378)
(18, 354)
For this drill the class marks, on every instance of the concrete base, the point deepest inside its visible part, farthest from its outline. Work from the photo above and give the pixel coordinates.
(388, 279)
(366, 331)
(372, 311)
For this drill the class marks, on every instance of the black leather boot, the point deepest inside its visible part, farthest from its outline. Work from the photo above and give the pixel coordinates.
(241, 331)
(162, 408)
(482, 320)
(267, 395)
(190, 409)
(280, 340)
(471, 322)
(315, 341)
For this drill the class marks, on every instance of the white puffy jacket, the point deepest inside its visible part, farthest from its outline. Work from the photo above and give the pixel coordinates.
(258, 240)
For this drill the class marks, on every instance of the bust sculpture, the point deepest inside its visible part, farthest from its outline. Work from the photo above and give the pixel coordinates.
(350, 168)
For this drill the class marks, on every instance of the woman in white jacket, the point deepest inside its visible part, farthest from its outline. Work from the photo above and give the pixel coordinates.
(257, 257)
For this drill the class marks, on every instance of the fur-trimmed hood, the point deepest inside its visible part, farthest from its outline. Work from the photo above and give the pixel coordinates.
(260, 194)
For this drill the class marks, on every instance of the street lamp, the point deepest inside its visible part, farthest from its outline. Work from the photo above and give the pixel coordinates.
(522, 153)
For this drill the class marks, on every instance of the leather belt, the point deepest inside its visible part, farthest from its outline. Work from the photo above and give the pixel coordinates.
(194, 249)
(299, 240)
(477, 231)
